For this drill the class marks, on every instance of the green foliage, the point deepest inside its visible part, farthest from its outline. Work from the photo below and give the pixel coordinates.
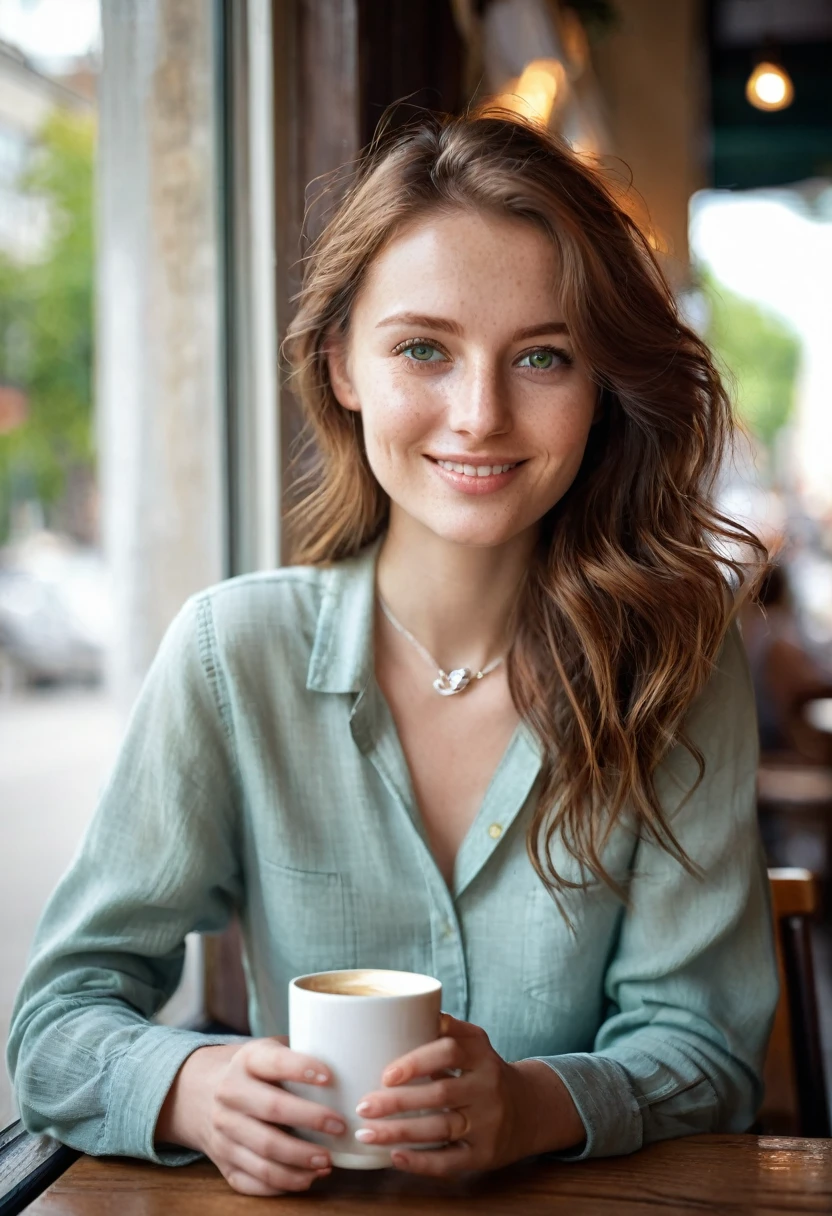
(761, 354)
(46, 318)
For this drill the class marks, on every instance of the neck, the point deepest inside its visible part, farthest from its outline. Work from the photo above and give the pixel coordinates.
(455, 599)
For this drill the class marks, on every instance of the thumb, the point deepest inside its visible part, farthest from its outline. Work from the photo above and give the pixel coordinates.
(455, 1028)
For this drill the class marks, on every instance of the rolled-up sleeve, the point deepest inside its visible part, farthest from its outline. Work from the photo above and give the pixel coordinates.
(692, 986)
(157, 862)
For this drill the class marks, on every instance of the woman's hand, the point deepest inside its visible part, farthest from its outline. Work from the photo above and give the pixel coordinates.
(227, 1102)
(491, 1113)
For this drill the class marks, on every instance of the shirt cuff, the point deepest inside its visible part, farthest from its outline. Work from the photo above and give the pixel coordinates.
(604, 1097)
(140, 1084)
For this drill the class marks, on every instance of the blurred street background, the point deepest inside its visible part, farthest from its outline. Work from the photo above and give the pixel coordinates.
(157, 159)
(55, 747)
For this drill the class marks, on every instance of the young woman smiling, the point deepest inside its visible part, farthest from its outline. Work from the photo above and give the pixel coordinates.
(495, 725)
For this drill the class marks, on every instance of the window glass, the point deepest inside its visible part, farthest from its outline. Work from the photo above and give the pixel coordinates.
(58, 729)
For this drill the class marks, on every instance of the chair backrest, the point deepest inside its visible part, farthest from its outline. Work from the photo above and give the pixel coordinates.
(795, 1098)
(226, 991)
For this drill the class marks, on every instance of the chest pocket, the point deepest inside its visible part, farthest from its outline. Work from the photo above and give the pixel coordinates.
(312, 918)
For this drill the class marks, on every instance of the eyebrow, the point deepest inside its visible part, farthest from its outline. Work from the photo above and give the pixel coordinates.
(421, 321)
(539, 331)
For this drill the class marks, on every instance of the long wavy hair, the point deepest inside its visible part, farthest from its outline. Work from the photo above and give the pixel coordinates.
(633, 586)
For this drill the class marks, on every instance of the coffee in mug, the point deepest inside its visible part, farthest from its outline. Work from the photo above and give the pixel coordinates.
(357, 1023)
(350, 983)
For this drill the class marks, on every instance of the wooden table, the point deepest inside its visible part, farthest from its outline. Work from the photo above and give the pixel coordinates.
(714, 1174)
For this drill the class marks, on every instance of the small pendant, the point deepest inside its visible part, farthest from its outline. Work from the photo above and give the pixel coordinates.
(447, 685)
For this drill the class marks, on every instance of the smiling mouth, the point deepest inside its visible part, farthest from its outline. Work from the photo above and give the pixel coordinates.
(476, 470)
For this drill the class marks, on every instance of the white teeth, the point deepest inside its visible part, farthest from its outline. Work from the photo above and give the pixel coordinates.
(471, 470)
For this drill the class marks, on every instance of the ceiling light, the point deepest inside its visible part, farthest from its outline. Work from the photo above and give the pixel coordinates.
(769, 87)
(535, 94)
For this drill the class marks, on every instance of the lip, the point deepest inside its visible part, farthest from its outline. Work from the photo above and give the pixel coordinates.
(474, 485)
(472, 458)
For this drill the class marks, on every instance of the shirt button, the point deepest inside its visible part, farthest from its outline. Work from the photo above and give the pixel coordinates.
(495, 831)
(447, 929)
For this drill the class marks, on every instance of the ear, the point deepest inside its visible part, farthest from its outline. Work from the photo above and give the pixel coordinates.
(335, 349)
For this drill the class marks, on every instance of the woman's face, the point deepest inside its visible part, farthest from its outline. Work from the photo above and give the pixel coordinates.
(475, 413)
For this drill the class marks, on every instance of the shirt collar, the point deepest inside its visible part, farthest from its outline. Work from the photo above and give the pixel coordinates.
(342, 654)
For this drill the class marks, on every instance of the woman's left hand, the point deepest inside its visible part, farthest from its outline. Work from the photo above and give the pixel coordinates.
(488, 1111)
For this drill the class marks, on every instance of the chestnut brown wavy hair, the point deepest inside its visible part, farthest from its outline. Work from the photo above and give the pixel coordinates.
(631, 592)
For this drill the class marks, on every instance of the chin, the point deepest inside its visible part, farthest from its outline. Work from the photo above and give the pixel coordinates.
(476, 533)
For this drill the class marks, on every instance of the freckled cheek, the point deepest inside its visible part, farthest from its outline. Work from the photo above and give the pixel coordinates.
(563, 436)
(564, 428)
(398, 416)
(569, 440)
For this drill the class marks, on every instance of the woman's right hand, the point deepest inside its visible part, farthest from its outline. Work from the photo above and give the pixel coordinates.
(227, 1102)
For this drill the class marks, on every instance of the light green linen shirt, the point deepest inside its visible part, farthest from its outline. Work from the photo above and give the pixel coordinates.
(262, 773)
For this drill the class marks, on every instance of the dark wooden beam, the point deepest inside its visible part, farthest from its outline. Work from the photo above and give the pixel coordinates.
(411, 57)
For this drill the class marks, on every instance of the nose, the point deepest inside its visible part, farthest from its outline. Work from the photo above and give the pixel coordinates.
(479, 405)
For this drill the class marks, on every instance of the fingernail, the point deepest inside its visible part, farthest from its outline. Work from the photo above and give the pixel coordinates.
(319, 1162)
(366, 1135)
(310, 1074)
(363, 1108)
(398, 1158)
(322, 1077)
(335, 1127)
(392, 1076)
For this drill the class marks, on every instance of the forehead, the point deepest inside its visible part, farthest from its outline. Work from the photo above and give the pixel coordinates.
(466, 265)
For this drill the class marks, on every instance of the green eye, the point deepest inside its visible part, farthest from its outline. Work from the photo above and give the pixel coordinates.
(540, 360)
(423, 352)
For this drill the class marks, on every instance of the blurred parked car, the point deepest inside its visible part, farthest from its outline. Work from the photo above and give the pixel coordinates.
(55, 614)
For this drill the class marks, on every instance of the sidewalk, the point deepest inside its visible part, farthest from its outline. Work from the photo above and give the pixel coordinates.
(56, 748)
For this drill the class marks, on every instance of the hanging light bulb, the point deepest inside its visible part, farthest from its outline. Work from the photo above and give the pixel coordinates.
(535, 93)
(769, 87)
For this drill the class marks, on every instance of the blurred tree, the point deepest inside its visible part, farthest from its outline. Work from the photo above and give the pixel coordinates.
(46, 320)
(761, 353)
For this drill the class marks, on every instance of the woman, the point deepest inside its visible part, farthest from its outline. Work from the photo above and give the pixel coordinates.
(517, 436)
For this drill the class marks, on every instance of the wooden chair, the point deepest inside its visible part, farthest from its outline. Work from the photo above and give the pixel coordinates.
(795, 1097)
(226, 991)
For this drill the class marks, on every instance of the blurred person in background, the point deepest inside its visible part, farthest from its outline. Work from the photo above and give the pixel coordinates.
(786, 677)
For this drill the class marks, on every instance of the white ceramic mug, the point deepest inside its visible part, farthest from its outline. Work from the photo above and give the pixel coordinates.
(357, 1023)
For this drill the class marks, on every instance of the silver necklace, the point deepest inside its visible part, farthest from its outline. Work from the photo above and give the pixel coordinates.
(447, 683)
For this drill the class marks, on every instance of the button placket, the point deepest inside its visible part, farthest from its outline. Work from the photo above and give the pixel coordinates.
(375, 736)
(449, 956)
(504, 800)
